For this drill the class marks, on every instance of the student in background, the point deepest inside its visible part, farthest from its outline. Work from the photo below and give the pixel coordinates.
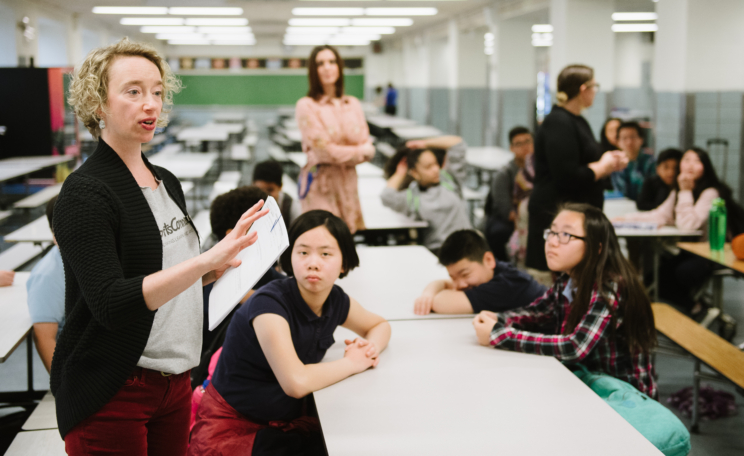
(6, 278)
(46, 297)
(478, 280)
(433, 196)
(640, 166)
(379, 100)
(335, 137)
(569, 163)
(270, 362)
(687, 207)
(267, 176)
(453, 159)
(391, 100)
(608, 136)
(597, 313)
(224, 214)
(656, 189)
(501, 206)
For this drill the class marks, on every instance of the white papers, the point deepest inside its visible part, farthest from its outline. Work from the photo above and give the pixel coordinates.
(256, 260)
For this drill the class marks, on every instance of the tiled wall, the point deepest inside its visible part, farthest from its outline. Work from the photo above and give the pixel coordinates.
(516, 109)
(719, 115)
(439, 105)
(418, 104)
(670, 119)
(472, 109)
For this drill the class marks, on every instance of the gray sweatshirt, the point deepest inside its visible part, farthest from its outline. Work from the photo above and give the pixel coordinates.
(442, 208)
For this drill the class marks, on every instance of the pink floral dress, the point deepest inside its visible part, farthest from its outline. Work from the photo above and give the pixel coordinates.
(335, 137)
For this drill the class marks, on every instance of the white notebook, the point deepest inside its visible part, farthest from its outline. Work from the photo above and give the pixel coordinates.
(256, 260)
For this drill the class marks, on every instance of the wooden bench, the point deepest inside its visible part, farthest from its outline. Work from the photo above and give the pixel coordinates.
(39, 198)
(703, 345)
(20, 254)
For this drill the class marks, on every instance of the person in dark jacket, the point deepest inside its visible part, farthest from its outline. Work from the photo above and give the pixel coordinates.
(656, 188)
(133, 272)
(569, 163)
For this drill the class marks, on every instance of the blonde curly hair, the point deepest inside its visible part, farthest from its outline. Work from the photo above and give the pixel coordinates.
(89, 85)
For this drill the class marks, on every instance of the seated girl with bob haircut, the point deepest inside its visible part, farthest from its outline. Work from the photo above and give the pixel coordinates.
(597, 313)
(259, 399)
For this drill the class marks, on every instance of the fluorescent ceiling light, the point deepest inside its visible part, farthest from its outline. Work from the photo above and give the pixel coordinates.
(542, 28)
(489, 37)
(231, 37)
(313, 22)
(179, 36)
(542, 36)
(373, 30)
(311, 30)
(374, 22)
(129, 10)
(347, 42)
(542, 43)
(151, 21)
(400, 11)
(328, 11)
(203, 11)
(224, 30)
(234, 43)
(234, 21)
(635, 27)
(195, 42)
(634, 16)
(166, 29)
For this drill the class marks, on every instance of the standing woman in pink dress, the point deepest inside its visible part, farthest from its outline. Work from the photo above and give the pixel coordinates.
(335, 137)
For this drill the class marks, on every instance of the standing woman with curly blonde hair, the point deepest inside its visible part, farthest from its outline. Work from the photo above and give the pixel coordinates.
(133, 272)
(569, 163)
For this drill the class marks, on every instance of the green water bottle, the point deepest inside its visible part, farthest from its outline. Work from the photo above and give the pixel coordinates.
(717, 225)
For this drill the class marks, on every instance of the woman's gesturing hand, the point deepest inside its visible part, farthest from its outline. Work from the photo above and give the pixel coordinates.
(222, 256)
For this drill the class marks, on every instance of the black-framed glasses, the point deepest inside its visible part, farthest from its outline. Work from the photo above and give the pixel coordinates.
(563, 237)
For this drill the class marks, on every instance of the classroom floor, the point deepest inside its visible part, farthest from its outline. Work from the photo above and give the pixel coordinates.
(721, 437)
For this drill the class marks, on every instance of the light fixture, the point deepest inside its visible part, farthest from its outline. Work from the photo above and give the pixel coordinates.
(232, 21)
(231, 37)
(178, 36)
(400, 11)
(316, 22)
(542, 28)
(634, 16)
(311, 30)
(205, 11)
(141, 10)
(234, 43)
(635, 27)
(192, 42)
(373, 30)
(151, 21)
(225, 30)
(166, 29)
(328, 11)
(542, 39)
(375, 22)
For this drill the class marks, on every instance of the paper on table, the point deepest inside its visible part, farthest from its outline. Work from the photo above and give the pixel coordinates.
(256, 260)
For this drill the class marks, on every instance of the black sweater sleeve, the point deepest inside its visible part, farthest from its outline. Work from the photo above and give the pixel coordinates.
(84, 226)
(646, 200)
(563, 156)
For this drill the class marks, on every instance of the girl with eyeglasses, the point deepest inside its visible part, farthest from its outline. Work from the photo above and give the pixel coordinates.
(597, 313)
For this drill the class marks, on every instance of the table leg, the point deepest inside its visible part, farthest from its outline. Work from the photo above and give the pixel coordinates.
(30, 360)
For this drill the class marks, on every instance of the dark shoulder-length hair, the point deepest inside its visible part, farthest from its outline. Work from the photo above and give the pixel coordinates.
(604, 266)
(315, 90)
(603, 139)
(338, 229)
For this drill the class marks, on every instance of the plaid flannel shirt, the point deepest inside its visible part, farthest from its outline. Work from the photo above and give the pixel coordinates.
(538, 329)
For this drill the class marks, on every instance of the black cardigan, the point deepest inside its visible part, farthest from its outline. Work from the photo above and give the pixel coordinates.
(109, 241)
(564, 146)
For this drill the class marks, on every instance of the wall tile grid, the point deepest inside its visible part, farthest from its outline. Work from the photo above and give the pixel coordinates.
(669, 119)
(439, 105)
(516, 110)
(419, 104)
(472, 109)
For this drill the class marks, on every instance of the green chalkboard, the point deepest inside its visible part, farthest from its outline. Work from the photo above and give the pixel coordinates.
(252, 89)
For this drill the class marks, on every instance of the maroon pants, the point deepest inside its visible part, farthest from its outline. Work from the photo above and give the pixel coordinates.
(148, 416)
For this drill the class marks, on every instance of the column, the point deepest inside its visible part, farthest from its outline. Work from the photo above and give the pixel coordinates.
(582, 33)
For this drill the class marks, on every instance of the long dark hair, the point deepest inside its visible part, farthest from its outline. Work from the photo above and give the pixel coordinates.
(315, 90)
(603, 139)
(603, 266)
(709, 179)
